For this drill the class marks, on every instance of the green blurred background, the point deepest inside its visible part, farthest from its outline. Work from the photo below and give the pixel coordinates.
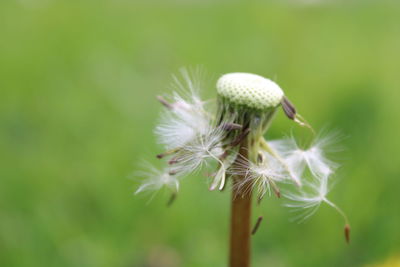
(78, 81)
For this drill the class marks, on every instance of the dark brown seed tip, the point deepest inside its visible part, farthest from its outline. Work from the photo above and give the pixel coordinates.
(288, 108)
(164, 102)
(171, 199)
(257, 225)
(160, 156)
(260, 158)
(347, 233)
(173, 172)
(172, 161)
(241, 137)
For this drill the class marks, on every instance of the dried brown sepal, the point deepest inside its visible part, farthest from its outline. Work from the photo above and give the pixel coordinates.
(288, 108)
(230, 126)
(164, 102)
(257, 225)
(240, 138)
(347, 233)
(260, 157)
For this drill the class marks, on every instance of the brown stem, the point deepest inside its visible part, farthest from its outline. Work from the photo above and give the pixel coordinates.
(239, 255)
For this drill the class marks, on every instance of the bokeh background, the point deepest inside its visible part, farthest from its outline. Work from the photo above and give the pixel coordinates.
(78, 81)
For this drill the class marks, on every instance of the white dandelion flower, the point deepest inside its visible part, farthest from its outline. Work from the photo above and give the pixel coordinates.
(155, 179)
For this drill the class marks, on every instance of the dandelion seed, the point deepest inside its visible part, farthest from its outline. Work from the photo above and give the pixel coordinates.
(179, 127)
(310, 197)
(200, 151)
(186, 117)
(297, 159)
(155, 179)
(260, 177)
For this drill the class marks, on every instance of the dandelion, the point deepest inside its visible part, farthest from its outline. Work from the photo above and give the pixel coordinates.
(227, 141)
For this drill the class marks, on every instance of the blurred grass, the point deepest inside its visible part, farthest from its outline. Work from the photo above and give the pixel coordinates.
(77, 108)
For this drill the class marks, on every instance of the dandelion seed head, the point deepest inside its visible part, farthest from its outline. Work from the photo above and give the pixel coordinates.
(250, 90)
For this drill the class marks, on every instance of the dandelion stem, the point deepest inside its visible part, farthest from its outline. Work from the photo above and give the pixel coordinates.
(240, 231)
